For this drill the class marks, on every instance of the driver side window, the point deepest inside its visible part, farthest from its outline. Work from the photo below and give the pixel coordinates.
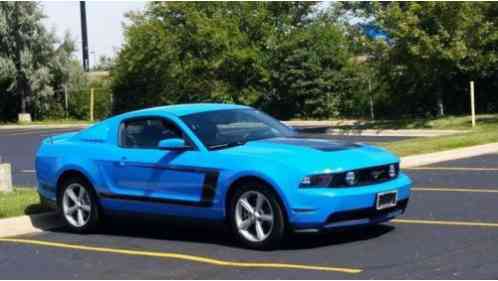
(147, 133)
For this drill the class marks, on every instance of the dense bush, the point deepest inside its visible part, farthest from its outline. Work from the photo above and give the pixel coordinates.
(79, 101)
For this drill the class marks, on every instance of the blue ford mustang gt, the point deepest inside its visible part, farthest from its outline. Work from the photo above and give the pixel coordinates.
(218, 162)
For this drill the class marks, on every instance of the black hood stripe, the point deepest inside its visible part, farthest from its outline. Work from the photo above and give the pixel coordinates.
(318, 144)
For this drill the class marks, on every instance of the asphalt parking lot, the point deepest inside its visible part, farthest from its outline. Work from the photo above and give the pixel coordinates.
(450, 231)
(19, 146)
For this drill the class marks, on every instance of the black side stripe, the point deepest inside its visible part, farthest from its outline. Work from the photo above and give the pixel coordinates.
(209, 188)
(171, 167)
(154, 200)
(207, 196)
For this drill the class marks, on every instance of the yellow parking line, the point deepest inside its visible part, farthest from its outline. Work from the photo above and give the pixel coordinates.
(478, 190)
(472, 169)
(452, 223)
(185, 257)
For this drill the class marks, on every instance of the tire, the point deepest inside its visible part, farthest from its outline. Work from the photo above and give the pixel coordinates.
(244, 224)
(85, 205)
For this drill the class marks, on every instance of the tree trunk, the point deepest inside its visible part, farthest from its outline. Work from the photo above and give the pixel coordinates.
(371, 102)
(21, 92)
(20, 77)
(440, 106)
(439, 93)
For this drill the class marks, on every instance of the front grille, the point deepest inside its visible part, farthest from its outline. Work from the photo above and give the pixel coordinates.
(367, 213)
(367, 176)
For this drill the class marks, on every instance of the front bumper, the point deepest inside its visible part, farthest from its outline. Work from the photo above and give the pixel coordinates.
(329, 208)
(358, 218)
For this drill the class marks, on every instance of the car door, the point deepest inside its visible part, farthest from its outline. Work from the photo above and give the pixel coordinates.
(146, 173)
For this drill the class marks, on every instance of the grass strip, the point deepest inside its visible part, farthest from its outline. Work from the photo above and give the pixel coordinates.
(435, 144)
(21, 201)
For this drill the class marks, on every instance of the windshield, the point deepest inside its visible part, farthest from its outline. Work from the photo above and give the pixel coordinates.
(225, 128)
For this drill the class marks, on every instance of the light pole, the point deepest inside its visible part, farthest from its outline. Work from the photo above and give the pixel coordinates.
(84, 36)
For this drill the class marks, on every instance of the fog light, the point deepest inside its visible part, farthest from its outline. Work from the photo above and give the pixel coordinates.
(351, 178)
(392, 171)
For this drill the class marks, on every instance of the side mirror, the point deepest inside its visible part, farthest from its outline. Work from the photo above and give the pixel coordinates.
(174, 144)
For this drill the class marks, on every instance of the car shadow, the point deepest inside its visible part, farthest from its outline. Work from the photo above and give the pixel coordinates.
(336, 237)
(36, 208)
(217, 233)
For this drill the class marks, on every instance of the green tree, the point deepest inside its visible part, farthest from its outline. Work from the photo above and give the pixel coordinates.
(433, 50)
(35, 67)
(26, 45)
(263, 54)
(307, 68)
(185, 52)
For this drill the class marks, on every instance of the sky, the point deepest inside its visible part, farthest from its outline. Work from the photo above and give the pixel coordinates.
(104, 19)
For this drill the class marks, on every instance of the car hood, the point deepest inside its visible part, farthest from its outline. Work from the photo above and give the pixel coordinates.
(315, 155)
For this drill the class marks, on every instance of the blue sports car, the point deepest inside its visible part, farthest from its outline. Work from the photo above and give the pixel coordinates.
(218, 162)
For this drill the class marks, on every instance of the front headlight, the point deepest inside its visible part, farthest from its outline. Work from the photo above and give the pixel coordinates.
(322, 180)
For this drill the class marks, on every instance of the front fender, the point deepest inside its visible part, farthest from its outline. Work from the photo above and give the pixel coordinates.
(282, 184)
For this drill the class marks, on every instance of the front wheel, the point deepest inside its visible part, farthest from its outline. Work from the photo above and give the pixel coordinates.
(256, 217)
(78, 206)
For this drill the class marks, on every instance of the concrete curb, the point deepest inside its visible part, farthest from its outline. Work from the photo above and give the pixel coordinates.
(448, 155)
(29, 224)
(327, 127)
(54, 126)
(378, 133)
(395, 133)
(317, 123)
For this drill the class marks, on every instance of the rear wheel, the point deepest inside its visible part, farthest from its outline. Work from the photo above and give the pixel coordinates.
(256, 217)
(78, 205)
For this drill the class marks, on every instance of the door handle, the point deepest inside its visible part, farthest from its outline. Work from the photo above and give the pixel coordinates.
(122, 162)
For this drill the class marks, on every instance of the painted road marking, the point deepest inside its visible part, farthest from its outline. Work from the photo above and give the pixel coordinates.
(28, 171)
(45, 132)
(185, 257)
(452, 223)
(473, 169)
(478, 190)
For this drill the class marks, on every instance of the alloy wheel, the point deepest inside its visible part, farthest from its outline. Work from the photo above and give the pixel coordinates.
(76, 205)
(254, 216)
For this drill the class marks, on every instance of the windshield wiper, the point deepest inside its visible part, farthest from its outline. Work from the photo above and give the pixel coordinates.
(227, 145)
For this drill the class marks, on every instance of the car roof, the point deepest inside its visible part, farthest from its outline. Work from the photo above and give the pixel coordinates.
(184, 109)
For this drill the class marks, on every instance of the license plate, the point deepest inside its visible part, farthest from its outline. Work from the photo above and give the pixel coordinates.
(386, 200)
